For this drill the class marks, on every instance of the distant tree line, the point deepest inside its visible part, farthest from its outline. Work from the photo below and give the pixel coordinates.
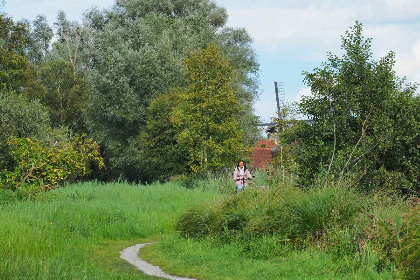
(157, 89)
(163, 87)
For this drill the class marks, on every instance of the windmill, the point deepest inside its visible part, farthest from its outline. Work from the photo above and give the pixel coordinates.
(280, 99)
(280, 95)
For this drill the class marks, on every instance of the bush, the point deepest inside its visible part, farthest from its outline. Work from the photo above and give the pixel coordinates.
(37, 167)
(196, 222)
(287, 212)
(20, 117)
(323, 208)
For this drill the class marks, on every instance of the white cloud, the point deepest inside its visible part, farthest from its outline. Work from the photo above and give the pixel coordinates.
(308, 32)
(302, 92)
(273, 28)
(402, 9)
(408, 63)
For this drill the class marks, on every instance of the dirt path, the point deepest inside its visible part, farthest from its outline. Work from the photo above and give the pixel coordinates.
(131, 254)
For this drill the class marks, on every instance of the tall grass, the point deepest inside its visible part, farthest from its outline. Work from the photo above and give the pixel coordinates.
(286, 211)
(56, 238)
(365, 229)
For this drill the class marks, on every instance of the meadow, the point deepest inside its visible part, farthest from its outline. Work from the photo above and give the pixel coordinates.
(205, 231)
(77, 232)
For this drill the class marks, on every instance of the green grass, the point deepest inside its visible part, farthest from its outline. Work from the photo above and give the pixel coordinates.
(206, 260)
(355, 235)
(77, 231)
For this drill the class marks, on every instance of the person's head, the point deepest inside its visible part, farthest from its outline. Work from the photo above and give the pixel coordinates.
(241, 163)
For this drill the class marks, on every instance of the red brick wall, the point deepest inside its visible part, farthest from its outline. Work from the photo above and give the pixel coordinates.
(261, 156)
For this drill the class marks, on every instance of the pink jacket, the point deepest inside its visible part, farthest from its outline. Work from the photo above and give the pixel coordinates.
(239, 179)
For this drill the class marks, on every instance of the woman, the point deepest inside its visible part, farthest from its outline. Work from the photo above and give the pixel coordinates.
(241, 175)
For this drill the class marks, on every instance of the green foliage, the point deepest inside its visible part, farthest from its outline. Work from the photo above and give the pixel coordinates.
(140, 49)
(194, 129)
(408, 257)
(38, 38)
(285, 159)
(372, 230)
(21, 117)
(38, 168)
(65, 95)
(209, 132)
(16, 73)
(365, 120)
(290, 213)
(162, 153)
(236, 46)
(75, 44)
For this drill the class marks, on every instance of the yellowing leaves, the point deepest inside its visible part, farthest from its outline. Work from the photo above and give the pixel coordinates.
(45, 167)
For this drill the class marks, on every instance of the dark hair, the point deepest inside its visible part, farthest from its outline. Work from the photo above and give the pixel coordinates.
(237, 166)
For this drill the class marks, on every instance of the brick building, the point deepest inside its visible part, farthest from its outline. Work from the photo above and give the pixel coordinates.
(262, 155)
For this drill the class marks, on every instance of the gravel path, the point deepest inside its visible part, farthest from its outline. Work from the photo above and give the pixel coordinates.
(131, 254)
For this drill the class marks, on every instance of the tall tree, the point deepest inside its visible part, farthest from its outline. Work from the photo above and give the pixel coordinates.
(65, 95)
(209, 133)
(16, 73)
(75, 44)
(39, 39)
(140, 47)
(195, 128)
(364, 118)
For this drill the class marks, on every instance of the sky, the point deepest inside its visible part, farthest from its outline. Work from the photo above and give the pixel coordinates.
(290, 36)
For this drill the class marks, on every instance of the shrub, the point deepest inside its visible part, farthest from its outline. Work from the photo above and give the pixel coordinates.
(196, 222)
(37, 167)
(287, 212)
(323, 208)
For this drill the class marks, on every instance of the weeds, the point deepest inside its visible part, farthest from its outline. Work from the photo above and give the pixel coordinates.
(365, 228)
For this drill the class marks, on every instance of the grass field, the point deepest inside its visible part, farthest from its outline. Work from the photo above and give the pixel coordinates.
(205, 260)
(77, 232)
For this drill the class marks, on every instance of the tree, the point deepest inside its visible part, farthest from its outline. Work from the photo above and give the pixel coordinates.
(39, 39)
(209, 131)
(365, 119)
(236, 46)
(163, 156)
(195, 128)
(65, 95)
(16, 73)
(20, 117)
(140, 48)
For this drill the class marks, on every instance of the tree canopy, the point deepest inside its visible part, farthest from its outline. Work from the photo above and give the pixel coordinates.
(210, 132)
(365, 119)
(140, 48)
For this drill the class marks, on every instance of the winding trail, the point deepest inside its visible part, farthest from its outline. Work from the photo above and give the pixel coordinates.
(131, 254)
